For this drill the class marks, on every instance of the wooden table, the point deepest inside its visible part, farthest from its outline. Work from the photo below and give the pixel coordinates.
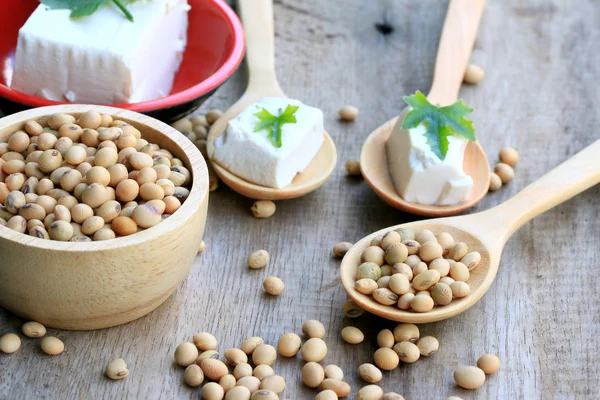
(541, 316)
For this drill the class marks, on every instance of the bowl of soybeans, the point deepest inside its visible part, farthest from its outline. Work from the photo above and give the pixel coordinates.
(102, 212)
(415, 272)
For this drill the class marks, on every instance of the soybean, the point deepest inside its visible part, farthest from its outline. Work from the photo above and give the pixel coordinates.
(489, 363)
(274, 383)
(353, 168)
(341, 388)
(249, 345)
(386, 359)
(505, 172)
(351, 310)
(326, 395)
(441, 294)
(428, 345)
(370, 392)
(235, 356)
(314, 349)
(422, 303)
(262, 371)
(33, 329)
(459, 272)
(212, 391)
(471, 260)
(313, 329)
(348, 113)
(312, 374)
(264, 354)
(369, 373)
(509, 156)
(352, 335)
(385, 338)
(392, 396)
(334, 372)
(263, 208)
(250, 382)
(186, 354)
(10, 343)
(469, 377)
(495, 182)
(205, 341)
(406, 333)
(258, 259)
(117, 369)
(213, 369)
(264, 394)
(289, 345)
(408, 352)
(272, 285)
(473, 74)
(227, 382)
(52, 346)
(340, 249)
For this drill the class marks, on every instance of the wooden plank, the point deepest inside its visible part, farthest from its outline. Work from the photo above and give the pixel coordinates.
(540, 95)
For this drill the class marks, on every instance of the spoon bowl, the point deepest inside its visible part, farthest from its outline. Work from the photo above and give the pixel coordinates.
(257, 18)
(315, 174)
(375, 170)
(479, 281)
(485, 232)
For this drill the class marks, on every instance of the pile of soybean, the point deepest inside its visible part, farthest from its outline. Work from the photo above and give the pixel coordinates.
(88, 178)
(11, 342)
(415, 271)
(247, 372)
(202, 362)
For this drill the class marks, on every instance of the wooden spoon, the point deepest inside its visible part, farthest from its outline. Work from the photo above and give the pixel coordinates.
(456, 43)
(257, 18)
(485, 232)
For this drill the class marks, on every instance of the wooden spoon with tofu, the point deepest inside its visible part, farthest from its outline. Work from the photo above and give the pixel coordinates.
(456, 44)
(257, 18)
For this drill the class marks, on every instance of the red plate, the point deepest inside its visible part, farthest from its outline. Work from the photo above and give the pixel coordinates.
(214, 50)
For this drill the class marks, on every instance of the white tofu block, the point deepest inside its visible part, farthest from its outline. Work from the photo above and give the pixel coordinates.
(419, 176)
(251, 155)
(102, 58)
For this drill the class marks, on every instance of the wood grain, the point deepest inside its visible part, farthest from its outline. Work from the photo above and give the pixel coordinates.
(540, 316)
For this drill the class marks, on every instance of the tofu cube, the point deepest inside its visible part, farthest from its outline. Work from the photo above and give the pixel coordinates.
(253, 157)
(102, 58)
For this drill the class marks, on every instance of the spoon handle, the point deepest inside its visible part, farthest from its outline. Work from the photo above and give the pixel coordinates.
(454, 50)
(570, 178)
(257, 18)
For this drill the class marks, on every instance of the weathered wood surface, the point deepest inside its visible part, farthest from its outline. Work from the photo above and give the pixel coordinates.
(541, 316)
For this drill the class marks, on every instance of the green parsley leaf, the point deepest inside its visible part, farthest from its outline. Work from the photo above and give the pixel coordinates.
(441, 122)
(84, 8)
(273, 123)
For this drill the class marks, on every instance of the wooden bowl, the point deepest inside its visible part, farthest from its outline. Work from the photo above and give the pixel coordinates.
(93, 285)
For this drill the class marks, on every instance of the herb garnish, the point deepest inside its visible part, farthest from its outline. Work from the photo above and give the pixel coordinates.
(274, 123)
(84, 8)
(440, 122)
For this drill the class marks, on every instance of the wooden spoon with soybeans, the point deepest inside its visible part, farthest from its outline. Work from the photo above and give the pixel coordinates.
(456, 44)
(257, 18)
(486, 232)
